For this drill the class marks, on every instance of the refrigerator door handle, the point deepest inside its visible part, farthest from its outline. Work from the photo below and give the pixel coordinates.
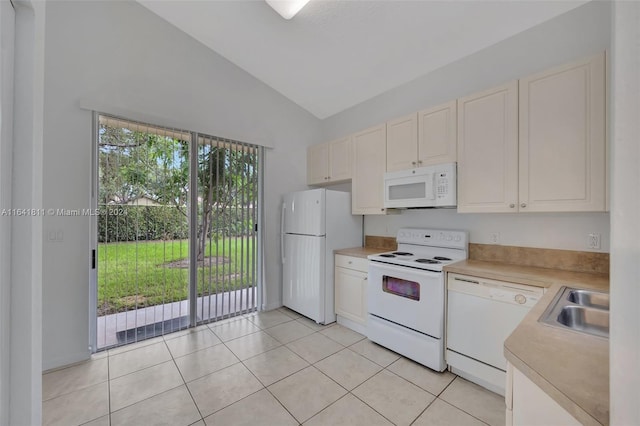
(284, 205)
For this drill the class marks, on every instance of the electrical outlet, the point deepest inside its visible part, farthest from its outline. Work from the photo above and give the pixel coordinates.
(594, 241)
(494, 238)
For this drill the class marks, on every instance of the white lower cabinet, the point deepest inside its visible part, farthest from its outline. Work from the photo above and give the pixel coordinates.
(527, 404)
(351, 292)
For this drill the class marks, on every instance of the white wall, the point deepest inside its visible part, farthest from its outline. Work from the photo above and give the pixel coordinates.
(566, 231)
(25, 406)
(578, 33)
(7, 38)
(625, 208)
(7, 33)
(123, 58)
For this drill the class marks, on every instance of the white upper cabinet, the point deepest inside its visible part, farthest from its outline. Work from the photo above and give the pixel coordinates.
(402, 143)
(437, 135)
(369, 164)
(340, 160)
(562, 138)
(317, 164)
(488, 150)
(538, 145)
(422, 139)
(329, 162)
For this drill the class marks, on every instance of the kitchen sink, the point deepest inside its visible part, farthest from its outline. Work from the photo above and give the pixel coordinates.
(585, 311)
(594, 299)
(587, 320)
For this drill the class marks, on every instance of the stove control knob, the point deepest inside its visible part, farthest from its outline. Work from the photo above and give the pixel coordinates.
(449, 237)
(520, 298)
(458, 238)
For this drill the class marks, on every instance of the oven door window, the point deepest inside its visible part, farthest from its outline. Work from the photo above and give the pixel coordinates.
(401, 287)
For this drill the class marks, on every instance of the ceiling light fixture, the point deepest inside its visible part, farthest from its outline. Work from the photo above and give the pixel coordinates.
(287, 8)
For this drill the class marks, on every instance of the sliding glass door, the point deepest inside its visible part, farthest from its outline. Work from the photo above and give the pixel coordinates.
(175, 230)
(226, 238)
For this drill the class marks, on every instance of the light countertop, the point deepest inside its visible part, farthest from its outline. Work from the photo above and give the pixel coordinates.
(571, 367)
(359, 251)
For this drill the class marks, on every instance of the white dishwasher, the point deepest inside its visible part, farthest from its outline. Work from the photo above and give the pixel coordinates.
(481, 314)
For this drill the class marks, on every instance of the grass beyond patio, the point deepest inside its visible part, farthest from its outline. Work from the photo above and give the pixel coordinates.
(147, 273)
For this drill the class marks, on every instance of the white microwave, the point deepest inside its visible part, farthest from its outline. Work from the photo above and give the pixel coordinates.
(431, 186)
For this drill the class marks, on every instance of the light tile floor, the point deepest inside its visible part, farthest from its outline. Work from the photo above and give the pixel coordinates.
(268, 368)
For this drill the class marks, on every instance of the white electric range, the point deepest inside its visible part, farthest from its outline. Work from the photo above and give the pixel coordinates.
(407, 293)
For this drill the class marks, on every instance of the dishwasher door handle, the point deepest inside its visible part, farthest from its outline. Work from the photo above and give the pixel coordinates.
(466, 280)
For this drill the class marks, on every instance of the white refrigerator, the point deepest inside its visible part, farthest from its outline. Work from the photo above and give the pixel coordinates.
(314, 224)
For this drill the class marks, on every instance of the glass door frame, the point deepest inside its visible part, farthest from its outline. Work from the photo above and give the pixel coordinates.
(193, 229)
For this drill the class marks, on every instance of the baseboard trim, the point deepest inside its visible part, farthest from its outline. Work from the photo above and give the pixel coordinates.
(271, 306)
(346, 322)
(64, 361)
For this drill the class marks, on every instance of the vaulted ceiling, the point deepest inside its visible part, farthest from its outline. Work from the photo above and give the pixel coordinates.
(336, 54)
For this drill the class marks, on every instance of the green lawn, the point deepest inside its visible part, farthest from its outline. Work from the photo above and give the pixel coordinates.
(140, 274)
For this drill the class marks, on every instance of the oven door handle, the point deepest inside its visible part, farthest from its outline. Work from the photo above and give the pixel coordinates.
(385, 268)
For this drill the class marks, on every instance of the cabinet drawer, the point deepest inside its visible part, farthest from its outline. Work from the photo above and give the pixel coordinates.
(357, 263)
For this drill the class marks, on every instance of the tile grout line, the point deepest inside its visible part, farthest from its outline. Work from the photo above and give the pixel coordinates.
(142, 369)
(289, 375)
(205, 327)
(469, 414)
(146, 399)
(343, 347)
(149, 397)
(408, 381)
(73, 391)
(263, 386)
(184, 382)
(267, 389)
(455, 406)
(347, 390)
(423, 411)
(365, 403)
(447, 387)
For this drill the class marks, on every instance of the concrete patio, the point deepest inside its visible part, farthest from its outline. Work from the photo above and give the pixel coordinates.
(144, 323)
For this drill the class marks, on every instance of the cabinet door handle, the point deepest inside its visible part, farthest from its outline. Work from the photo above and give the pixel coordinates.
(419, 161)
(413, 163)
(512, 205)
(523, 205)
(366, 278)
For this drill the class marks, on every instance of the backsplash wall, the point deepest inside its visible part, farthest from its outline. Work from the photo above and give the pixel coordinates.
(565, 231)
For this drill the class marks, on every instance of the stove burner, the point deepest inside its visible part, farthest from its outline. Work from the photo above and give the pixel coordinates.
(402, 253)
(441, 258)
(430, 261)
(387, 255)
